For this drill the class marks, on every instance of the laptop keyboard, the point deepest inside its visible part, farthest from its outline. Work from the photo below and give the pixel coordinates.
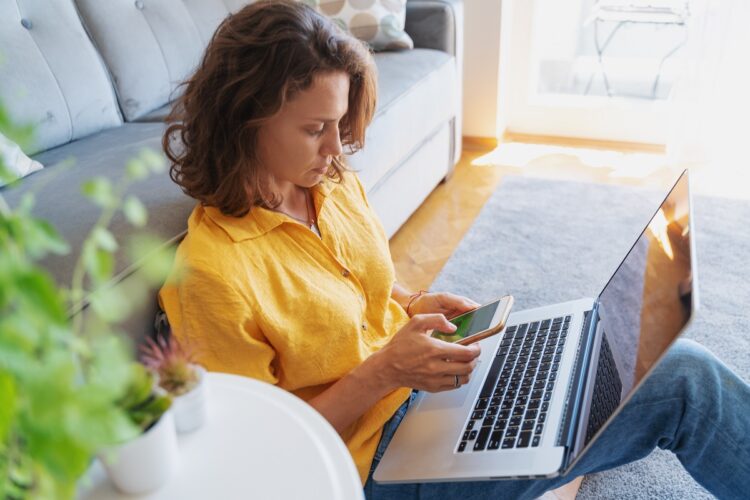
(607, 390)
(511, 409)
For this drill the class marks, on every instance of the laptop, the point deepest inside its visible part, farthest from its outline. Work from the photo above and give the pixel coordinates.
(547, 386)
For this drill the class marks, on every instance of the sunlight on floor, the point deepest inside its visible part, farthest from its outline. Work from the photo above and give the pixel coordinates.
(648, 169)
(619, 164)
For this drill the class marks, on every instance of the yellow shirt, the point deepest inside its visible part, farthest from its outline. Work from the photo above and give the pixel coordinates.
(265, 297)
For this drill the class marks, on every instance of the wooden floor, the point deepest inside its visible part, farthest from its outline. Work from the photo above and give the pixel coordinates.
(422, 246)
(424, 243)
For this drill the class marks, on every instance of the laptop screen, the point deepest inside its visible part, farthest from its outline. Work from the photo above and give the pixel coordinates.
(647, 302)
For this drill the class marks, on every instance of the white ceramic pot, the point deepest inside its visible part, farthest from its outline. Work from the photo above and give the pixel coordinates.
(190, 408)
(145, 463)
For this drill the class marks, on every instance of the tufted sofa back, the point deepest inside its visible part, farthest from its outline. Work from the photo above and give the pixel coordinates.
(51, 76)
(149, 46)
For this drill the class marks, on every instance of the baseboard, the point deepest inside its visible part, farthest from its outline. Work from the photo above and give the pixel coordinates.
(479, 143)
(474, 143)
(576, 142)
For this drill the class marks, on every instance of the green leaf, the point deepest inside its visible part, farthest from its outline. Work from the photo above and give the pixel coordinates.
(135, 211)
(27, 203)
(139, 388)
(5, 174)
(41, 294)
(136, 169)
(62, 455)
(100, 191)
(104, 239)
(153, 160)
(155, 406)
(155, 258)
(98, 263)
(7, 404)
(142, 404)
(21, 135)
(111, 304)
(111, 368)
(44, 236)
(19, 337)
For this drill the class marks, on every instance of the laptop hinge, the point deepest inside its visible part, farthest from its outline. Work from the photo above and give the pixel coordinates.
(576, 388)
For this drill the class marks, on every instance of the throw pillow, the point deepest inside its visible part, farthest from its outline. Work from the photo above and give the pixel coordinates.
(379, 23)
(15, 161)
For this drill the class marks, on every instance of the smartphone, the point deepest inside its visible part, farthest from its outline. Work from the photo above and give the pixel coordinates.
(479, 323)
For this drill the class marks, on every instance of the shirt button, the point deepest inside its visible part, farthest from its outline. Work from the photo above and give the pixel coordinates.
(364, 326)
(345, 273)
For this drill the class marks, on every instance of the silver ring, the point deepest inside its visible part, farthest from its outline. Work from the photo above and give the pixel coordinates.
(457, 384)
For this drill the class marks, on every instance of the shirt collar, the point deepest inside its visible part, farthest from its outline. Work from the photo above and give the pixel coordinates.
(259, 220)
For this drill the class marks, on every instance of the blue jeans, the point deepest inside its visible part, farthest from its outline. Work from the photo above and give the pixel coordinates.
(692, 405)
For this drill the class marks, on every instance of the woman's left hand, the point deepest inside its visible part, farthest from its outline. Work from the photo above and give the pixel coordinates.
(447, 304)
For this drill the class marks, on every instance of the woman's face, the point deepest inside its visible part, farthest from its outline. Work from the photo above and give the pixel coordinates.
(296, 145)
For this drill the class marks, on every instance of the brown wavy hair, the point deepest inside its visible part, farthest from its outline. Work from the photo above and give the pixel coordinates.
(257, 59)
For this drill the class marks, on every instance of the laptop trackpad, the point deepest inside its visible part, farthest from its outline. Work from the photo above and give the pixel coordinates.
(453, 398)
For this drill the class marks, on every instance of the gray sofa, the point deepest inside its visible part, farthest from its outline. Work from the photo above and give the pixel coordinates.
(96, 79)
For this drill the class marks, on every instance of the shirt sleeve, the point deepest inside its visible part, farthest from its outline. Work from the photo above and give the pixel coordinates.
(219, 328)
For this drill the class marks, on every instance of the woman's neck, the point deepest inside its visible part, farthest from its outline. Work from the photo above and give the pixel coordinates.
(294, 199)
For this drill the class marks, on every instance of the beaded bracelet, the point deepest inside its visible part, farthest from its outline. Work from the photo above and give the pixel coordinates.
(412, 298)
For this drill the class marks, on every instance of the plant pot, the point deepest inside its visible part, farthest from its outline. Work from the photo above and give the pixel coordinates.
(190, 408)
(145, 463)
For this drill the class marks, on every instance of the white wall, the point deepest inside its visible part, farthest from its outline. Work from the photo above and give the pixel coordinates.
(481, 67)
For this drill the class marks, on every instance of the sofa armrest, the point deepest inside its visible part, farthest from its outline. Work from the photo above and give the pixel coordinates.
(436, 24)
(439, 24)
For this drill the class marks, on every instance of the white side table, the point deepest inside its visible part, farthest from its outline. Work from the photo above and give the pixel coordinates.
(259, 441)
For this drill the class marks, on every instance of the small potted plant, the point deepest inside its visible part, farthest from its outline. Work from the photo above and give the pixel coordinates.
(146, 462)
(182, 378)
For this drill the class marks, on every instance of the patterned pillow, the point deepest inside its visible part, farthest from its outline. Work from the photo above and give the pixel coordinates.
(379, 23)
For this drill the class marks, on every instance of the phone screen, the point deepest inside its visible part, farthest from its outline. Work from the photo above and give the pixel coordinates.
(469, 323)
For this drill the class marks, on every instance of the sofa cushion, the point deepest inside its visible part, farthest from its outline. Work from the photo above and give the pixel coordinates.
(207, 15)
(417, 93)
(59, 199)
(156, 115)
(50, 74)
(150, 47)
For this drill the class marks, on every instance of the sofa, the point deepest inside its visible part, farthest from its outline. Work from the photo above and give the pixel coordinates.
(96, 80)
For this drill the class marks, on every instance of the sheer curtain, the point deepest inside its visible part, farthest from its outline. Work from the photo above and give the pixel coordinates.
(710, 104)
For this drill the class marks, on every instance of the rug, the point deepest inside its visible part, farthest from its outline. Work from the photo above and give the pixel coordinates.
(547, 241)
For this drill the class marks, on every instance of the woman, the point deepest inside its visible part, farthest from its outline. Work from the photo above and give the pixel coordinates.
(285, 274)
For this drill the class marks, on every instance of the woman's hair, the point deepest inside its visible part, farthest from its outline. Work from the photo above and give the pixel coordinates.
(257, 59)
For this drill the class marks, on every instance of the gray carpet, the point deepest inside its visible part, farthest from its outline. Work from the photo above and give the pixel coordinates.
(549, 241)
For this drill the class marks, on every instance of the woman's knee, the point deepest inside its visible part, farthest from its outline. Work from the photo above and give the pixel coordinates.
(689, 371)
(687, 355)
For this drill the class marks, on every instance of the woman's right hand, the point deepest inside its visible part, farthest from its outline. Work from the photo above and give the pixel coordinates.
(414, 359)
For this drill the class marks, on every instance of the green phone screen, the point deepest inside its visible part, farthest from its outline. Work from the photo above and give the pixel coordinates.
(469, 323)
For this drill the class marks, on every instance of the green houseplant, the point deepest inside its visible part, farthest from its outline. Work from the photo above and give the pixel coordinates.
(181, 377)
(142, 403)
(145, 462)
(65, 377)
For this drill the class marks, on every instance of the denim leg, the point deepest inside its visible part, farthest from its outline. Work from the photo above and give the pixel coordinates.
(692, 405)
